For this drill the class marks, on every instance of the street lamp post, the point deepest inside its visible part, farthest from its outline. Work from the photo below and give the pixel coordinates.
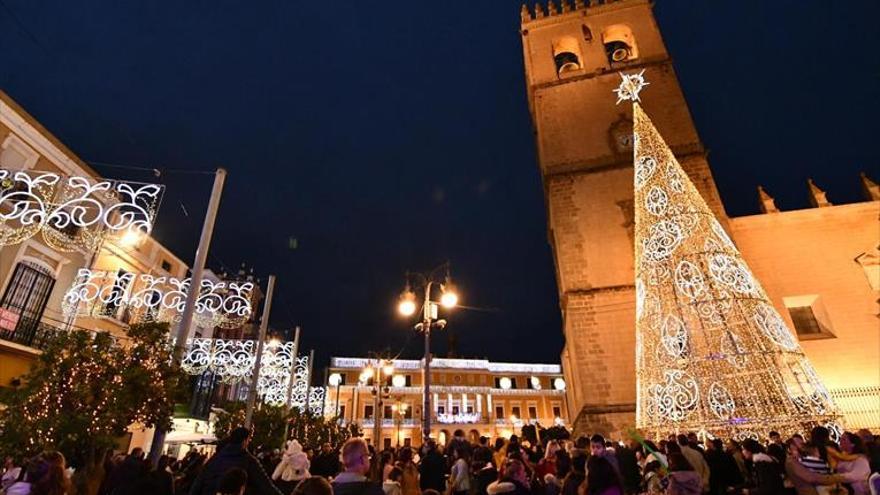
(382, 366)
(407, 307)
(399, 410)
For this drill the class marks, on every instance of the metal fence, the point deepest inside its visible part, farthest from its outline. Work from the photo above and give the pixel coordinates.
(860, 407)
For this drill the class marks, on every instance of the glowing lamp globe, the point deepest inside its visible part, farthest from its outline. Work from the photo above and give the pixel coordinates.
(335, 379)
(388, 369)
(131, 238)
(536, 382)
(449, 298)
(407, 304)
(505, 383)
(559, 384)
(398, 381)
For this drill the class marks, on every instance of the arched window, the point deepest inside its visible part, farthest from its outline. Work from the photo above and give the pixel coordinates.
(566, 55)
(620, 44)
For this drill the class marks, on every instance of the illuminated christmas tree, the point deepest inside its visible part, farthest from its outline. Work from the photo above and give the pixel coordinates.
(712, 353)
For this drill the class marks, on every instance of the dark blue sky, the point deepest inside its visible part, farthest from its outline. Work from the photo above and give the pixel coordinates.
(387, 136)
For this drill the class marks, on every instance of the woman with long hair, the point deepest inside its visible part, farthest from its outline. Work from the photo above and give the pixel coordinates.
(409, 481)
(547, 465)
(460, 473)
(602, 478)
(55, 481)
(386, 460)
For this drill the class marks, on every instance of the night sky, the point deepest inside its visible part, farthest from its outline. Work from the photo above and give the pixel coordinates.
(393, 136)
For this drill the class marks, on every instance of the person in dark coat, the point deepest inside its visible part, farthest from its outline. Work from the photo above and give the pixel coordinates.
(766, 472)
(577, 475)
(722, 466)
(326, 463)
(485, 472)
(128, 472)
(157, 482)
(629, 469)
(432, 470)
(234, 454)
(356, 462)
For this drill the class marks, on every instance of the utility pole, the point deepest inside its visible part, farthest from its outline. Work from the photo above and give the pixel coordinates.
(195, 285)
(255, 379)
(309, 381)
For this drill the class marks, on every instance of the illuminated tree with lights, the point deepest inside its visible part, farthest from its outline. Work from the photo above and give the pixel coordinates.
(85, 390)
(311, 430)
(712, 353)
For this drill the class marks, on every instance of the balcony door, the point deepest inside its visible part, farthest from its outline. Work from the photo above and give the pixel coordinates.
(24, 301)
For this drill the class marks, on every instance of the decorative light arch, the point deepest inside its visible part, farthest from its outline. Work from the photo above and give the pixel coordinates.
(73, 213)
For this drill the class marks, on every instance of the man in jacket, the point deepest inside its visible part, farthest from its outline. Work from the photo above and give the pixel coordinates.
(234, 455)
(356, 464)
(326, 463)
(432, 469)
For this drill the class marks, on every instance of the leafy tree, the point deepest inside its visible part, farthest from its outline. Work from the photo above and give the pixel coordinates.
(86, 389)
(269, 424)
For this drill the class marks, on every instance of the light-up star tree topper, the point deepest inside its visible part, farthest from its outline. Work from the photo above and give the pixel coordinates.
(712, 353)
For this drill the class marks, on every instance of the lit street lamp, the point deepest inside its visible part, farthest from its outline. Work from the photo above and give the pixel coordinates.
(399, 413)
(407, 307)
(382, 367)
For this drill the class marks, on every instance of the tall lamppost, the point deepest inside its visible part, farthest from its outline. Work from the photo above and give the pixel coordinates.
(407, 307)
(399, 413)
(382, 367)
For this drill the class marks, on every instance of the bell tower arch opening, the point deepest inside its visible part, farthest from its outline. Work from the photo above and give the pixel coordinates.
(573, 58)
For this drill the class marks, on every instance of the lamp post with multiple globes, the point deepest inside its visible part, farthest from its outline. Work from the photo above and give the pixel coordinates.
(407, 307)
(399, 413)
(379, 369)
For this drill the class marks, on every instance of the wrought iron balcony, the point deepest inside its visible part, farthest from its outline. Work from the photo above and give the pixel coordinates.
(36, 336)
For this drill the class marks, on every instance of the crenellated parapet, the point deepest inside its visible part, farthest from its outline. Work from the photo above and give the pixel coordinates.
(818, 197)
(870, 188)
(558, 8)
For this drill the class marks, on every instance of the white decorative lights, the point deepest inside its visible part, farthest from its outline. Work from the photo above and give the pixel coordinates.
(398, 381)
(712, 353)
(157, 298)
(233, 361)
(505, 383)
(559, 383)
(458, 418)
(630, 86)
(73, 213)
(535, 382)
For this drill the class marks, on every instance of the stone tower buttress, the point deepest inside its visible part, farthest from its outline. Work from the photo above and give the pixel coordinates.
(573, 54)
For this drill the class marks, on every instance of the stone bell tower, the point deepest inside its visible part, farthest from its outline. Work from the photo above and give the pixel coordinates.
(573, 55)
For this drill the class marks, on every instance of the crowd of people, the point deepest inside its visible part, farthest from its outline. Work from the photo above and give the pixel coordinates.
(677, 465)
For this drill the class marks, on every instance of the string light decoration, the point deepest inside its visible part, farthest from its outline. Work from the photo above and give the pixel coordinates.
(85, 390)
(146, 297)
(73, 213)
(712, 353)
(234, 360)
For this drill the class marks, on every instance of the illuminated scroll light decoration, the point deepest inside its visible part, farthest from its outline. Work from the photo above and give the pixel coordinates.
(233, 361)
(73, 213)
(147, 297)
(712, 353)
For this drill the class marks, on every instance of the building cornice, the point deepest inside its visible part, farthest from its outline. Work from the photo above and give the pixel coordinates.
(454, 364)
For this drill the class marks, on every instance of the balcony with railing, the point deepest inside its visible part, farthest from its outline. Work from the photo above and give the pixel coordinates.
(36, 336)
(389, 423)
